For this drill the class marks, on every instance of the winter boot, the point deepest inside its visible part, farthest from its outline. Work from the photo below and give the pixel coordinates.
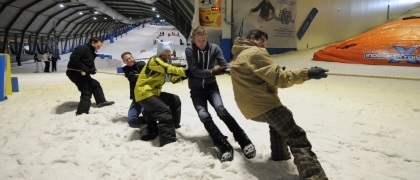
(225, 149)
(246, 145)
(152, 129)
(106, 103)
(167, 134)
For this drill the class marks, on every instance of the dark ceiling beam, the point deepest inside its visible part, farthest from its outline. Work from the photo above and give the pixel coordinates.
(165, 10)
(68, 15)
(74, 28)
(94, 29)
(32, 20)
(82, 23)
(13, 21)
(72, 20)
(132, 8)
(5, 5)
(45, 22)
(91, 26)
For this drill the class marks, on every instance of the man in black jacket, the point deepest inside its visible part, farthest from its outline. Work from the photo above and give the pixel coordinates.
(79, 69)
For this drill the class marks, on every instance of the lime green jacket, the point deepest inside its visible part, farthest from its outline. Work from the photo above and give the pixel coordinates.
(153, 76)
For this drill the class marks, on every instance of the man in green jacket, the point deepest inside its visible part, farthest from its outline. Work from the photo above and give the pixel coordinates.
(164, 107)
(255, 80)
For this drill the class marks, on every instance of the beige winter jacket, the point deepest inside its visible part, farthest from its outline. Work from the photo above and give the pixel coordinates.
(255, 78)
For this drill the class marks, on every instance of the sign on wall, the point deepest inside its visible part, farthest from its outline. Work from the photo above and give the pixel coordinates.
(276, 17)
(210, 13)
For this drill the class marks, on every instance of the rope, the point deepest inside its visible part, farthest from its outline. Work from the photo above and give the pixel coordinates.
(369, 76)
(375, 76)
(83, 73)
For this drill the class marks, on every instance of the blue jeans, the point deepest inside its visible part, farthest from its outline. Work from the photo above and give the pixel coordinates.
(133, 114)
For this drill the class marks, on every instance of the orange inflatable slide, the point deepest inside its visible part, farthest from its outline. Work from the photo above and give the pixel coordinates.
(396, 43)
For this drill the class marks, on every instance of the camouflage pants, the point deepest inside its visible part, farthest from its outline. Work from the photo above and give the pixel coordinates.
(289, 134)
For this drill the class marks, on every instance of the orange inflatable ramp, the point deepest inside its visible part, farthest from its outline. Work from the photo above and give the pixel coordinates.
(396, 43)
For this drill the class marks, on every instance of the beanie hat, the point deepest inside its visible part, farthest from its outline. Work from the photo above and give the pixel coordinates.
(163, 46)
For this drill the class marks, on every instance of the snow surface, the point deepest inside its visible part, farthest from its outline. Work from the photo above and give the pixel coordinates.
(360, 128)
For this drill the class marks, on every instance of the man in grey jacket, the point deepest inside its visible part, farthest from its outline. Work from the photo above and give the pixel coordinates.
(255, 80)
(205, 61)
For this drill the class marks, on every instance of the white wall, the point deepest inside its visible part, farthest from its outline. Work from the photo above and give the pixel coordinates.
(338, 20)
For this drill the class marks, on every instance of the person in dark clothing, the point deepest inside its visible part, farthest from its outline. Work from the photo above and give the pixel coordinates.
(79, 70)
(164, 107)
(265, 6)
(53, 63)
(205, 61)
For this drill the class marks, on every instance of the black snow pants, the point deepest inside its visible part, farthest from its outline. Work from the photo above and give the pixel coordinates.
(87, 86)
(166, 109)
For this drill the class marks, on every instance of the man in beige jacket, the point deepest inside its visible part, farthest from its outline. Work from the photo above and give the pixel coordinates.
(255, 80)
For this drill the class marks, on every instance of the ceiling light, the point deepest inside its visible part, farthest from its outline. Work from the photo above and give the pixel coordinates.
(61, 5)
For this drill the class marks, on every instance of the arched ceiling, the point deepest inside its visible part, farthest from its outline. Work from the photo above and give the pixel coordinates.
(71, 17)
(76, 18)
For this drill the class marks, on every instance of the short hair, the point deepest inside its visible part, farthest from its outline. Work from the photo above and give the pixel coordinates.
(257, 34)
(125, 53)
(198, 31)
(95, 40)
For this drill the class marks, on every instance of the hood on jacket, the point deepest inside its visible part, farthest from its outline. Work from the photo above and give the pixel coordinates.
(241, 44)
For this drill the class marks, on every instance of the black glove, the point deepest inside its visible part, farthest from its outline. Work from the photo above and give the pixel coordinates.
(188, 73)
(317, 73)
(84, 71)
(218, 70)
(92, 71)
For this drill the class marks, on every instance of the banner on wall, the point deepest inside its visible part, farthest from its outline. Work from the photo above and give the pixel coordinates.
(275, 17)
(209, 13)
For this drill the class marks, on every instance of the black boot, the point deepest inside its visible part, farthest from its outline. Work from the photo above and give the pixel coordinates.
(80, 113)
(219, 140)
(106, 103)
(152, 131)
(225, 148)
(167, 133)
(246, 145)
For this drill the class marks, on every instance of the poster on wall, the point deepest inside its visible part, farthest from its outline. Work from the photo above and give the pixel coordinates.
(209, 13)
(276, 17)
